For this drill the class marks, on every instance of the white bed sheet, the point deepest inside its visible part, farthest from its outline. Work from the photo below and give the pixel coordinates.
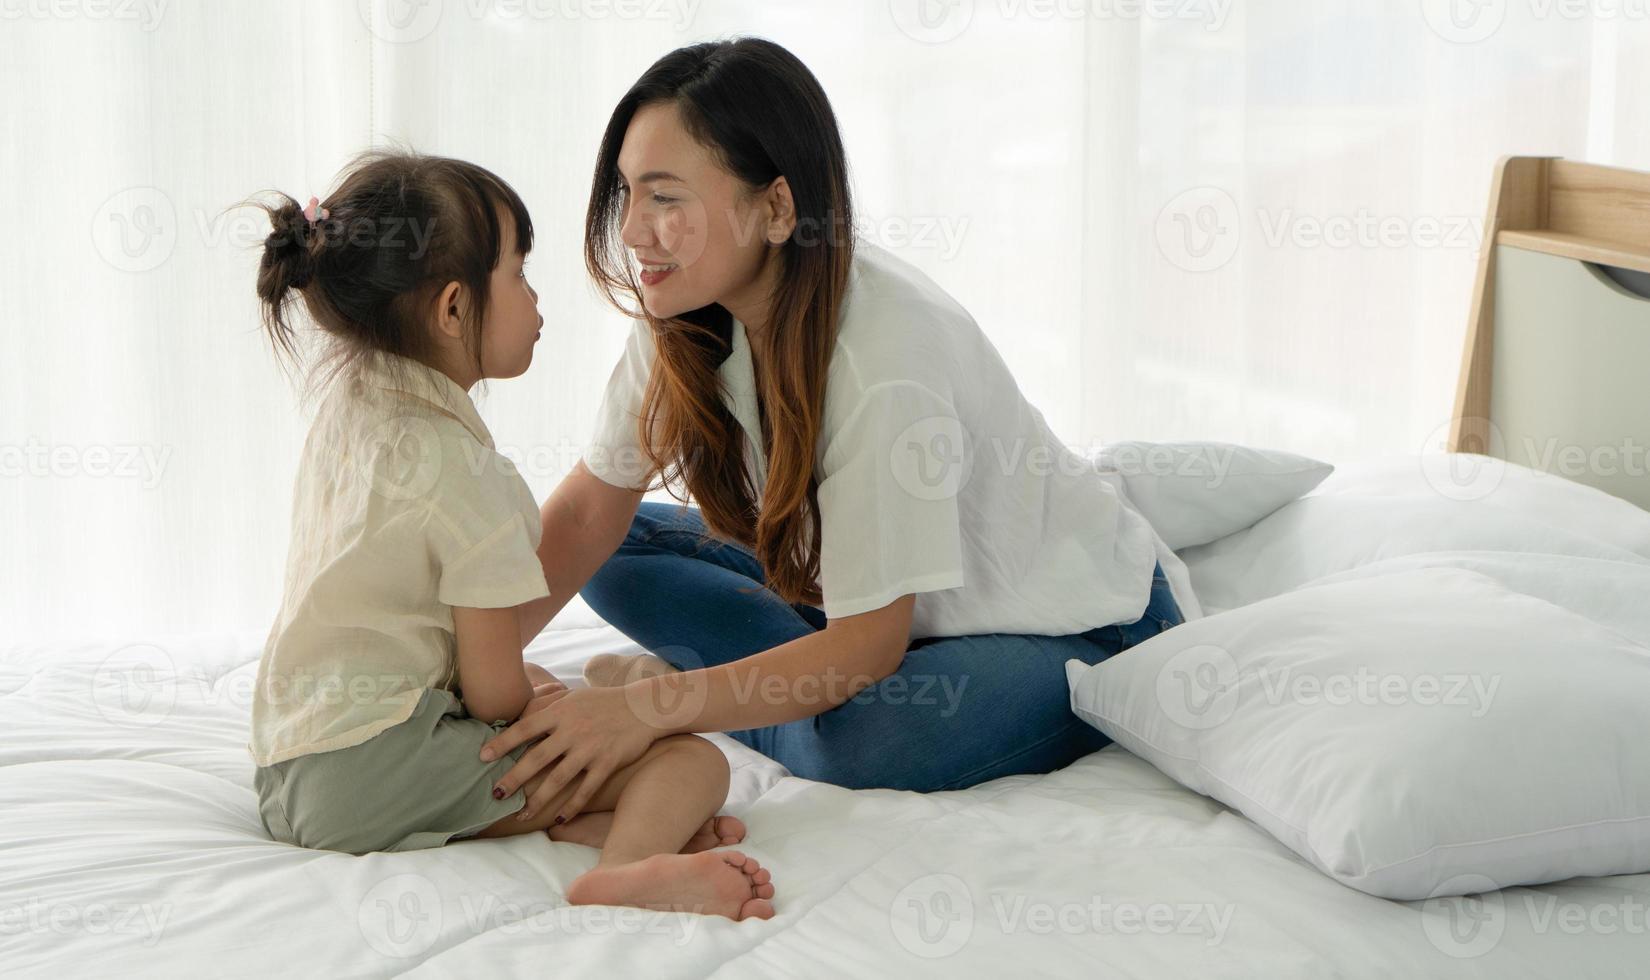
(130, 846)
(130, 843)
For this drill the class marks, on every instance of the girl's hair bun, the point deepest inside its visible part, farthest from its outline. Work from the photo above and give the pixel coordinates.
(288, 261)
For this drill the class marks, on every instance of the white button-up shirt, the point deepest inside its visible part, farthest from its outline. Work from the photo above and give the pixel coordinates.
(936, 476)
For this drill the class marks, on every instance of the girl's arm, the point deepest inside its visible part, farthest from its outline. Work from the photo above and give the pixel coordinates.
(584, 521)
(492, 680)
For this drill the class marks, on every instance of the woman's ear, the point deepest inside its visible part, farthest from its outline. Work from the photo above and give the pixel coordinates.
(781, 212)
(451, 305)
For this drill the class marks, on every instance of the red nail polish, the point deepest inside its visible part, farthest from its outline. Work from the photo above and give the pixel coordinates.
(498, 792)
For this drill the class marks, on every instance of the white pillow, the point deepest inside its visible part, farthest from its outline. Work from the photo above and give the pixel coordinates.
(1412, 735)
(1195, 492)
(1374, 511)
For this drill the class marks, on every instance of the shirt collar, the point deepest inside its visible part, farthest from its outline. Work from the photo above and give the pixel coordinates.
(393, 372)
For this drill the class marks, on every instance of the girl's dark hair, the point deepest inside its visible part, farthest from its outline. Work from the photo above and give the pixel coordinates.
(763, 115)
(399, 228)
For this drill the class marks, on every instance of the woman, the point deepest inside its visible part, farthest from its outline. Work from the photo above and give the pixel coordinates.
(904, 556)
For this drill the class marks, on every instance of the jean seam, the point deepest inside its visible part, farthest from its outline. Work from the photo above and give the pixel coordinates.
(966, 779)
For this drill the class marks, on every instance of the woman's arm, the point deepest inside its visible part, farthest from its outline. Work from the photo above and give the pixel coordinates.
(600, 730)
(805, 677)
(584, 521)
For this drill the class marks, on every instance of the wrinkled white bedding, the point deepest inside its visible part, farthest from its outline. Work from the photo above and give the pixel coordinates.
(130, 846)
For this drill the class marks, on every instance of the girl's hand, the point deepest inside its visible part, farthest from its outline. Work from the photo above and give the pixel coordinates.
(592, 730)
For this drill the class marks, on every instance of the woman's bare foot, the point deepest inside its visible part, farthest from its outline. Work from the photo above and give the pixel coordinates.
(725, 883)
(590, 829)
(619, 669)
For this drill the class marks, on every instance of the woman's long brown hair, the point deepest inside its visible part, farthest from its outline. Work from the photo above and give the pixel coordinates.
(763, 115)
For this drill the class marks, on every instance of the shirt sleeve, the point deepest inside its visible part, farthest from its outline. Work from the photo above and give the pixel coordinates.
(891, 472)
(615, 453)
(484, 531)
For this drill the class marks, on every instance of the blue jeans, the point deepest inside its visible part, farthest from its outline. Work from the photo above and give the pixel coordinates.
(959, 710)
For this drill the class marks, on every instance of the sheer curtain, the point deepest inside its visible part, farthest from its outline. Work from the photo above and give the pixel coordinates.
(1252, 221)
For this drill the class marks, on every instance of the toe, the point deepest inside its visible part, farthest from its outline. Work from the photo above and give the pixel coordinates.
(762, 876)
(756, 908)
(763, 891)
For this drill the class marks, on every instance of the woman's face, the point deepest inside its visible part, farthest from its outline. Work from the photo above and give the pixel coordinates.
(696, 232)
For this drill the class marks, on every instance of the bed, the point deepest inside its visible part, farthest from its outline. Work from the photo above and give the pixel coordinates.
(130, 844)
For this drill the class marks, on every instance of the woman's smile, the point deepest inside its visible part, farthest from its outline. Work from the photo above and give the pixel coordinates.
(652, 274)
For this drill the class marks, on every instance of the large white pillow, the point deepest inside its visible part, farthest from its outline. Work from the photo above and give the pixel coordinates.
(1195, 492)
(1374, 511)
(1416, 734)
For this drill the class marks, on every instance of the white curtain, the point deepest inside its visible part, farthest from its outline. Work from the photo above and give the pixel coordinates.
(1249, 220)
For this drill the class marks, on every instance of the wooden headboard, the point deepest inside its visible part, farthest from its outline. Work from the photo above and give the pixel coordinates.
(1556, 369)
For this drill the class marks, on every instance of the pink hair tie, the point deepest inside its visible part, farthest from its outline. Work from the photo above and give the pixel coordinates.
(314, 212)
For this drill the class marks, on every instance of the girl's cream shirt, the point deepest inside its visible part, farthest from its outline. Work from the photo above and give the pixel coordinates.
(402, 509)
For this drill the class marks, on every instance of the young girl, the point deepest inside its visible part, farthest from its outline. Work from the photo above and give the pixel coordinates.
(398, 649)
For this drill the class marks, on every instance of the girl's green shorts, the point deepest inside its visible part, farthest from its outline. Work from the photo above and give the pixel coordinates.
(418, 784)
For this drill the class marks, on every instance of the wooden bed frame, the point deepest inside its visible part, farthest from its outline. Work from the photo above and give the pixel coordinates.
(1557, 350)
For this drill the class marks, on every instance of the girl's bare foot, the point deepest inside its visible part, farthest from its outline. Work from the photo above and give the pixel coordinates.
(717, 832)
(618, 669)
(725, 883)
(590, 829)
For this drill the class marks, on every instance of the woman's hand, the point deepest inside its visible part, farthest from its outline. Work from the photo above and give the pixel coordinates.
(544, 695)
(593, 731)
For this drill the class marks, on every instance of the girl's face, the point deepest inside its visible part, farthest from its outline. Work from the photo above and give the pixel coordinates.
(512, 324)
(695, 231)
